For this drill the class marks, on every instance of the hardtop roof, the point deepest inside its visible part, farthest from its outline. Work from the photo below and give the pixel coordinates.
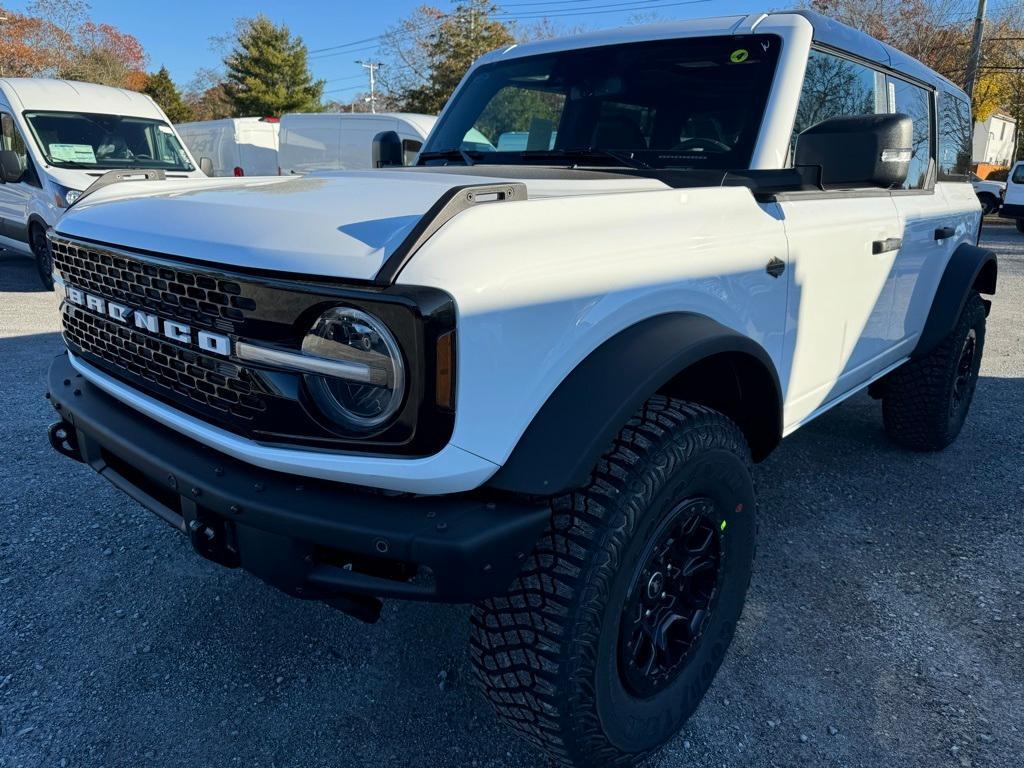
(825, 31)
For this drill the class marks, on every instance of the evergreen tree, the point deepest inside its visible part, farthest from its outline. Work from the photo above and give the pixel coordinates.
(268, 72)
(164, 92)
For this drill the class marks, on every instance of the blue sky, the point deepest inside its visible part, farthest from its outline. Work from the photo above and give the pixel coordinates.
(177, 32)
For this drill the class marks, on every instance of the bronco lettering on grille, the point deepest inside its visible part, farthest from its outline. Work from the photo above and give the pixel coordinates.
(146, 321)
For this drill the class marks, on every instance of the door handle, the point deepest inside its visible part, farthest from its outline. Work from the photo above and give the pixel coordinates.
(944, 233)
(884, 246)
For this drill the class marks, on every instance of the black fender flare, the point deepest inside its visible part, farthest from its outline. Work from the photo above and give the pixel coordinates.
(970, 268)
(581, 418)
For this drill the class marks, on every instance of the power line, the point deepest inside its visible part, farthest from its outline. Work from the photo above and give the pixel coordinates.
(601, 9)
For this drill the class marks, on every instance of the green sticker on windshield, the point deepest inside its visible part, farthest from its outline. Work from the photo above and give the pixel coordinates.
(739, 56)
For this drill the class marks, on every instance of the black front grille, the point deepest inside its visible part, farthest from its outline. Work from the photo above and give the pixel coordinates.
(213, 383)
(185, 295)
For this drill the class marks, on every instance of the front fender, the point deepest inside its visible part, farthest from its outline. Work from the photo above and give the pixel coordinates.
(580, 420)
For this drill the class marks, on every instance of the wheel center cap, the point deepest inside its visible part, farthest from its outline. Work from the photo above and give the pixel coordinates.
(655, 585)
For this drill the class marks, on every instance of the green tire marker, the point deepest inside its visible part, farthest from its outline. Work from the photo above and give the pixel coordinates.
(739, 56)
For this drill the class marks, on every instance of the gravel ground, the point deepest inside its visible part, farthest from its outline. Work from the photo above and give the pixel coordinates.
(883, 625)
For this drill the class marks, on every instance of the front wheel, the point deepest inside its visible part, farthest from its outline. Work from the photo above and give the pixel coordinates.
(41, 251)
(614, 630)
(989, 203)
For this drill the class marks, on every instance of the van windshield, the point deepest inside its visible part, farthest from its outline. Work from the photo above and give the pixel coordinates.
(683, 103)
(84, 140)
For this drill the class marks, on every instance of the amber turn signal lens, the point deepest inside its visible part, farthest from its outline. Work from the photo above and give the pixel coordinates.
(445, 384)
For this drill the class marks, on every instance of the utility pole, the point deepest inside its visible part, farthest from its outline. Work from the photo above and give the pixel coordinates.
(371, 67)
(974, 61)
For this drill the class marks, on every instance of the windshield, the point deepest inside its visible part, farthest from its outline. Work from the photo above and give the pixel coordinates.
(82, 140)
(685, 103)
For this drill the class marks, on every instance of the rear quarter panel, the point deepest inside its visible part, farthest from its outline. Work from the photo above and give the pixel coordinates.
(539, 284)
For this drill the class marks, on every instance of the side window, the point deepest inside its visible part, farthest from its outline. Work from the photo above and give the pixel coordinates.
(916, 102)
(10, 140)
(1018, 174)
(955, 138)
(835, 87)
(410, 148)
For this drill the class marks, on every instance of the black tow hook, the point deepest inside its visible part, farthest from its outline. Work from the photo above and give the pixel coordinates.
(64, 440)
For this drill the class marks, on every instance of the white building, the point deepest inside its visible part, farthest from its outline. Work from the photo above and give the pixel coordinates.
(993, 139)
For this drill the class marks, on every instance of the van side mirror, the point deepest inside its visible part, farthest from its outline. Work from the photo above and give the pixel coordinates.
(387, 150)
(859, 151)
(10, 167)
(206, 165)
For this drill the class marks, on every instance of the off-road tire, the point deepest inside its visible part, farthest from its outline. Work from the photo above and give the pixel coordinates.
(922, 408)
(41, 253)
(546, 654)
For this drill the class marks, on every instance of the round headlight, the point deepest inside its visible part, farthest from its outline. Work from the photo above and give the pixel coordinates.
(370, 393)
(71, 196)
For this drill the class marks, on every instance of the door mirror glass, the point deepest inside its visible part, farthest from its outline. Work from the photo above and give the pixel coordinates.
(10, 166)
(859, 151)
(206, 165)
(387, 150)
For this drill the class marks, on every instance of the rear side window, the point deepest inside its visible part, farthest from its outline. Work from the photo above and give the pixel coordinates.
(908, 99)
(955, 138)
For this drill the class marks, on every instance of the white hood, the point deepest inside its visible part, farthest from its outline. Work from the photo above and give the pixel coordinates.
(343, 225)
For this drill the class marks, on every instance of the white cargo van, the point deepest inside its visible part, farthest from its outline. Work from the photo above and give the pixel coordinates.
(57, 137)
(334, 141)
(238, 146)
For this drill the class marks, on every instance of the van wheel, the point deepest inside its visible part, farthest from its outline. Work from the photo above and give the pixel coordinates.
(612, 633)
(44, 259)
(926, 400)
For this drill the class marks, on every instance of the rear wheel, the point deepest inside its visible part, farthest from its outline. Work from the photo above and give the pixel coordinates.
(926, 400)
(614, 630)
(41, 251)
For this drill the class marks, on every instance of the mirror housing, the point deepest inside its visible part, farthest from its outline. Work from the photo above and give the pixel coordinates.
(387, 150)
(10, 167)
(859, 151)
(206, 165)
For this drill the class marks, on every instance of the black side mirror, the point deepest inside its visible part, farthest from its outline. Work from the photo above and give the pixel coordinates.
(10, 167)
(859, 151)
(206, 165)
(387, 150)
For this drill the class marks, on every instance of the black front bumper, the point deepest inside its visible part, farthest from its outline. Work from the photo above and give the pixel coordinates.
(311, 538)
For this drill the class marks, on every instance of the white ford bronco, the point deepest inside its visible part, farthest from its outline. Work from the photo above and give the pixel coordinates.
(531, 372)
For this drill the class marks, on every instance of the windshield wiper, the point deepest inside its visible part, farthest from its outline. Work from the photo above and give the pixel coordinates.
(622, 157)
(451, 154)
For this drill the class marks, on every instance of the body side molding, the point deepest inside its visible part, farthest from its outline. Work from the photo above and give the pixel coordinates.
(580, 419)
(969, 268)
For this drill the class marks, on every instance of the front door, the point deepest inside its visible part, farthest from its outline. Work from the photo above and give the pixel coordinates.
(14, 195)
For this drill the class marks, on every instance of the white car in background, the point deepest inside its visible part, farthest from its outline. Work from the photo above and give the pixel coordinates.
(990, 193)
(335, 141)
(1013, 199)
(237, 146)
(57, 137)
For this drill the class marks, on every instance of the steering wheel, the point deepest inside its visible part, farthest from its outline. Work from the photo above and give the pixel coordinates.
(696, 143)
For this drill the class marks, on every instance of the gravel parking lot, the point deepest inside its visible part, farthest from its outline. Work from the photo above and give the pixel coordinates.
(883, 628)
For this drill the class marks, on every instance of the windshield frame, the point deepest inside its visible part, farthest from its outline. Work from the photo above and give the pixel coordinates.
(189, 165)
(741, 155)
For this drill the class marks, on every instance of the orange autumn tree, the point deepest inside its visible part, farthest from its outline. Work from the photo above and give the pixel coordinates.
(55, 38)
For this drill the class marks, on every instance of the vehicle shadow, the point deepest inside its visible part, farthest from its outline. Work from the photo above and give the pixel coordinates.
(18, 274)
